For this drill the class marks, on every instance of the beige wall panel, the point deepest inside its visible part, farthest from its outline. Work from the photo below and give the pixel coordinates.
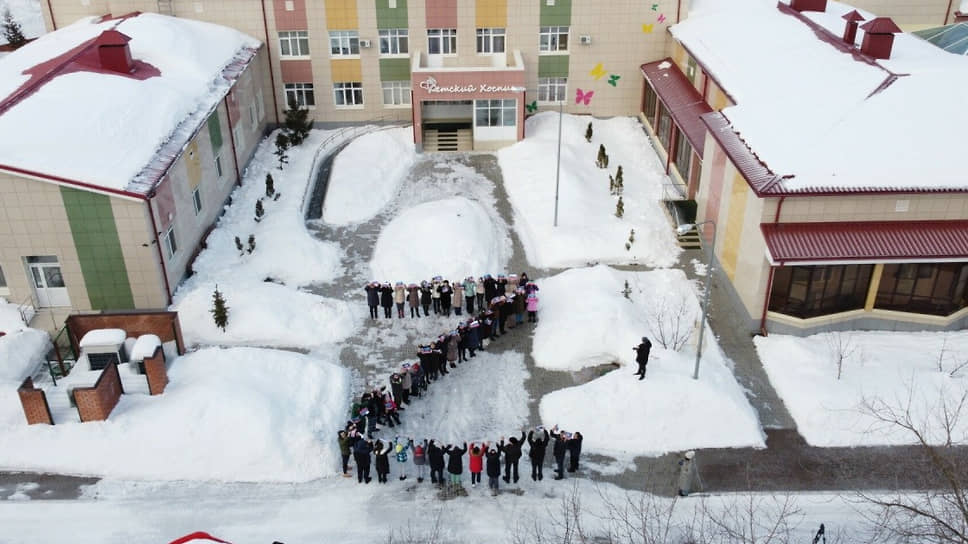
(140, 261)
(921, 207)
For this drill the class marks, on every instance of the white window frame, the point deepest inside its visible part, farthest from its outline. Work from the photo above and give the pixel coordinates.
(349, 91)
(303, 93)
(489, 38)
(218, 166)
(238, 133)
(344, 43)
(391, 40)
(294, 44)
(169, 242)
(197, 199)
(549, 40)
(502, 110)
(552, 90)
(399, 93)
(444, 37)
(3, 280)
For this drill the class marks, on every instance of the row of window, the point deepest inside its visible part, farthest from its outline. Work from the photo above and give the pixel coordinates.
(397, 93)
(440, 41)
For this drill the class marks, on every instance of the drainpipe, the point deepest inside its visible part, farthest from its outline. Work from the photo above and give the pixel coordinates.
(272, 78)
(53, 23)
(947, 13)
(779, 206)
(161, 255)
(679, 10)
(235, 154)
(766, 301)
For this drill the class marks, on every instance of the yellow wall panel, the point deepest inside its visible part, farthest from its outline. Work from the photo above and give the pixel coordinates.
(733, 232)
(492, 13)
(346, 70)
(193, 164)
(341, 15)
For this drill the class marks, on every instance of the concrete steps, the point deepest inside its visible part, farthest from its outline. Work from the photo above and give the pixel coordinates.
(448, 140)
(690, 239)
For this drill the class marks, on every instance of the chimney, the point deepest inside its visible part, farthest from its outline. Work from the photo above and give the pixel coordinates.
(114, 53)
(850, 31)
(809, 5)
(878, 37)
(961, 17)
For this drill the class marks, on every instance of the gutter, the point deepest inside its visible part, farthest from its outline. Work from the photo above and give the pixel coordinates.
(272, 78)
(53, 23)
(235, 154)
(161, 256)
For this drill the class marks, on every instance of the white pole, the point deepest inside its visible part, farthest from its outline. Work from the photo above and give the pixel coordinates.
(705, 297)
(558, 168)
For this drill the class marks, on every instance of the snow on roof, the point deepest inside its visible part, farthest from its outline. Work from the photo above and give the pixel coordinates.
(826, 119)
(75, 120)
(103, 337)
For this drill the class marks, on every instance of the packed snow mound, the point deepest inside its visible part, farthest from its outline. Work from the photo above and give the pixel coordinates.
(660, 303)
(21, 354)
(453, 238)
(366, 175)
(895, 369)
(588, 229)
(240, 414)
(10, 318)
(263, 314)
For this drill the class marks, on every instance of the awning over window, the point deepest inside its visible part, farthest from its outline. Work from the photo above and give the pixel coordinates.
(866, 241)
(681, 99)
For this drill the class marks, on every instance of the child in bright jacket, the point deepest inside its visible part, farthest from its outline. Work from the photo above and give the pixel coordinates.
(401, 450)
(532, 308)
(419, 458)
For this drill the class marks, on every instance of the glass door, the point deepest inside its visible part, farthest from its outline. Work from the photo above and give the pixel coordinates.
(48, 282)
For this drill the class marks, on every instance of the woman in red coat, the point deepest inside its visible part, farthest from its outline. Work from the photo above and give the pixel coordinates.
(476, 463)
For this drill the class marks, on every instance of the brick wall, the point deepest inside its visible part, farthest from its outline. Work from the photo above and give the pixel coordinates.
(156, 372)
(95, 403)
(34, 403)
(162, 323)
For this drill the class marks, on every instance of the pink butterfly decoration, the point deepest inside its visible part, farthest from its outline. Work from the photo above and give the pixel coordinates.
(662, 17)
(583, 97)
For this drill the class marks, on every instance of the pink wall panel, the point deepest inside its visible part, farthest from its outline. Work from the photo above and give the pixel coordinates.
(441, 13)
(297, 71)
(290, 20)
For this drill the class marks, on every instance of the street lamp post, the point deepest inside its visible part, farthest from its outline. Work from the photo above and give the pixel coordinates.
(558, 168)
(682, 229)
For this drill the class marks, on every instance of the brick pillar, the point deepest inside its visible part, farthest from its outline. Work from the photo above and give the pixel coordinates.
(34, 402)
(95, 403)
(156, 372)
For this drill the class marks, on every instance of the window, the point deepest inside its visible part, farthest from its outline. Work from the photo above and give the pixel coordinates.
(664, 131)
(648, 104)
(552, 89)
(490, 40)
(348, 93)
(496, 113)
(396, 93)
(683, 154)
(252, 116)
(218, 167)
(239, 135)
(197, 200)
(553, 39)
(168, 242)
(344, 42)
(3, 280)
(394, 41)
(301, 94)
(809, 291)
(442, 41)
(927, 288)
(294, 43)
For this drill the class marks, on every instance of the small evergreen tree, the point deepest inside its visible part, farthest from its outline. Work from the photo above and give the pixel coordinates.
(251, 243)
(220, 312)
(270, 186)
(11, 31)
(627, 291)
(628, 245)
(619, 180)
(611, 185)
(619, 208)
(588, 133)
(259, 210)
(605, 161)
(298, 123)
(282, 145)
(600, 160)
(238, 245)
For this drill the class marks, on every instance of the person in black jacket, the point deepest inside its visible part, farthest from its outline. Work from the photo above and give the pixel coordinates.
(435, 456)
(493, 465)
(574, 450)
(559, 450)
(455, 463)
(642, 356)
(426, 295)
(537, 453)
(361, 455)
(372, 298)
(512, 454)
(386, 300)
(382, 462)
(446, 294)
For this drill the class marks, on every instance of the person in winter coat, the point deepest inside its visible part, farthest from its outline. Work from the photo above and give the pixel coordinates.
(512, 454)
(390, 405)
(386, 299)
(455, 463)
(479, 290)
(461, 341)
(520, 305)
(473, 339)
(381, 460)
(537, 454)
(406, 382)
(476, 463)
(487, 325)
(505, 310)
(532, 308)
(413, 299)
(372, 297)
(345, 444)
(401, 450)
(559, 450)
(490, 287)
(502, 282)
(531, 287)
(511, 285)
(446, 295)
(493, 462)
(361, 456)
(452, 340)
(416, 380)
(426, 295)
(426, 356)
(435, 457)
(470, 292)
(509, 311)
(574, 451)
(439, 356)
(458, 296)
(399, 297)
(396, 387)
(435, 293)
(523, 279)
(642, 356)
(419, 458)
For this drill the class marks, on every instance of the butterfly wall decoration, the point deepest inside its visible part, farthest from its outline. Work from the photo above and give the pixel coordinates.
(532, 107)
(583, 97)
(613, 80)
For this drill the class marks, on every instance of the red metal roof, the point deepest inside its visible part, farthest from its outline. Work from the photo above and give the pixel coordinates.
(760, 178)
(683, 101)
(880, 25)
(853, 16)
(866, 241)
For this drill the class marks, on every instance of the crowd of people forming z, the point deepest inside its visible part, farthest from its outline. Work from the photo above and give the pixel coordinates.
(501, 304)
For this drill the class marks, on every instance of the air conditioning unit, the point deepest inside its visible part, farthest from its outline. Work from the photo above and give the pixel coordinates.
(364, 43)
(585, 40)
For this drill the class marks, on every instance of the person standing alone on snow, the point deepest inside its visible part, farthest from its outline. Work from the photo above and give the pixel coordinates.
(642, 356)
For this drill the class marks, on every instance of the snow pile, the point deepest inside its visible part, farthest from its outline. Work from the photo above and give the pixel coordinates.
(618, 414)
(899, 369)
(453, 238)
(366, 175)
(27, 14)
(10, 318)
(237, 414)
(21, 354)
(587, 227)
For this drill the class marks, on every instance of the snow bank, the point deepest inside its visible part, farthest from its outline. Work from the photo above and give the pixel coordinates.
(892, 367)
(21, 354)
(237, 414)
(366, 175)
(587, 227)
(452, 237)
(10, 318)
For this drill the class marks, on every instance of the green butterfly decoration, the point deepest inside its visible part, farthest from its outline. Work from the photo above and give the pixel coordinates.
(613, 80)
(532, 107)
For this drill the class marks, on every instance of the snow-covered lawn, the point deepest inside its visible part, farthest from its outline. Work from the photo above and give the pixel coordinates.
(366, 175)
(587, 227)
(585, 320)
(895, 368)
(239, 414)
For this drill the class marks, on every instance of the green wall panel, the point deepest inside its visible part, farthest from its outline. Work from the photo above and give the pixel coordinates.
(556, 15)
(553, 66)
(387, 17)
(98, 249)
(395, 69)
(215, 132)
